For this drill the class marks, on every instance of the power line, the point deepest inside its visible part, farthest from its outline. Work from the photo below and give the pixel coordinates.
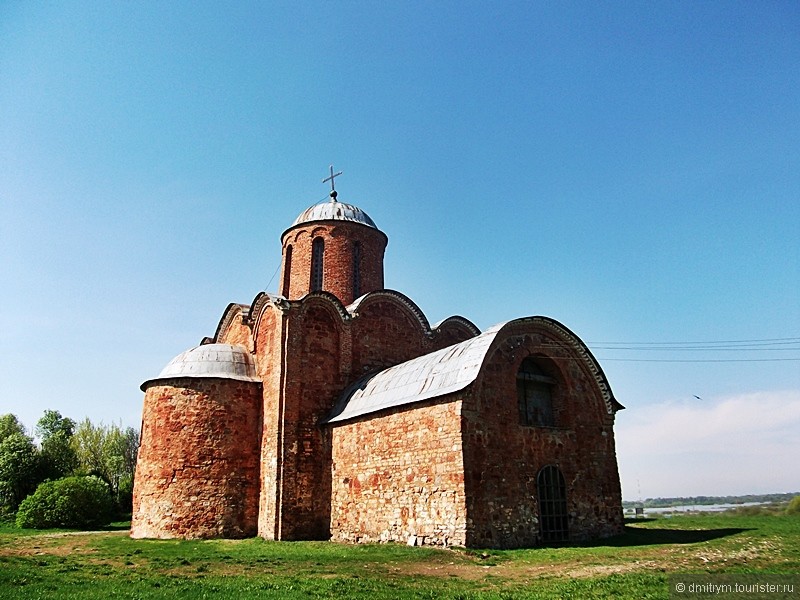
(699, 360)
(759, 342)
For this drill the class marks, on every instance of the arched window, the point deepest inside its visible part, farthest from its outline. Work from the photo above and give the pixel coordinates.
(317, 254)
(553, 516)
(356, 270)
(287, 271)
(535, 393)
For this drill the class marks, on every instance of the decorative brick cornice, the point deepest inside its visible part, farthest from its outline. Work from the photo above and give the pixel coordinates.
(466, 323)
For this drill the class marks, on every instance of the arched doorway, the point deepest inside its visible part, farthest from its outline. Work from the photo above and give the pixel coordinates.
(553, 517)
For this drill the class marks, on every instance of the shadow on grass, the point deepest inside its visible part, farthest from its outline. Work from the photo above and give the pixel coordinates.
(651, 536)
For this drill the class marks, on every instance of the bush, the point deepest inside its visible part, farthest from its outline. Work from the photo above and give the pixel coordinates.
(74, 502)
(794, 506)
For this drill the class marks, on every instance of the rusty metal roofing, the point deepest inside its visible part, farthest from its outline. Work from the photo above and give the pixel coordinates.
(223, 361)
(334, 210)
(442, 372)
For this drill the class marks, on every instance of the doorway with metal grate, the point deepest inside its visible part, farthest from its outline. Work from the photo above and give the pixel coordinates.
(553, 516)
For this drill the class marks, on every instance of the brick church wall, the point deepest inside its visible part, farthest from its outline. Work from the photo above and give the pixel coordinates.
(503, 504)
(314, 353)
(268, 344)
(399, 477)
(198, 466)
(385, 334)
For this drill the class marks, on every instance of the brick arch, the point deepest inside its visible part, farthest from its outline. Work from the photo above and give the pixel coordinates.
(387, 329)
(234, 327)
(581, 356)
(359, 307)
(453, 330)
(328, 299)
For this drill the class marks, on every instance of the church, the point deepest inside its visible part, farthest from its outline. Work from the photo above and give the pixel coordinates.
(333, 410)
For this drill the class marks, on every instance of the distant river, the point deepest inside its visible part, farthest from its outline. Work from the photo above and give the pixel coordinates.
(694, 508)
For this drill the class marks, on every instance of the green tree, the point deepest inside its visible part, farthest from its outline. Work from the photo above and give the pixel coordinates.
(10, 424)
(20, 467)
(59, 458)
(52, 423)
(110, 453)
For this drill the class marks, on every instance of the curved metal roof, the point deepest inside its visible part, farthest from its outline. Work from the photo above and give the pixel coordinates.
(442, 372)
(222, 361)
(333, 210)
(450, 370)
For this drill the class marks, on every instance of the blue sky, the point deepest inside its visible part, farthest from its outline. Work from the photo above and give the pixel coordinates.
(630, 169)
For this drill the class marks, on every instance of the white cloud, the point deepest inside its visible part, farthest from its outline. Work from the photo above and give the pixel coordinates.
(716, 446)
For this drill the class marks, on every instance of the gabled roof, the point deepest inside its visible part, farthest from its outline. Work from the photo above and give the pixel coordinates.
(442, 372)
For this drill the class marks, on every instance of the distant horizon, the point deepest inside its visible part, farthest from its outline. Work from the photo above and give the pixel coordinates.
(711, 497)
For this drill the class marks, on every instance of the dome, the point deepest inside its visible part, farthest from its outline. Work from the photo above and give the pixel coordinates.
(333, 210)
(223, 361)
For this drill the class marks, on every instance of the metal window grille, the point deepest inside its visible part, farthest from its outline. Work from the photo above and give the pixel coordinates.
(553, 516)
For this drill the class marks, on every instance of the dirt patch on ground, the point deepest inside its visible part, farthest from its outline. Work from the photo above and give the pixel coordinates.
(54, 544)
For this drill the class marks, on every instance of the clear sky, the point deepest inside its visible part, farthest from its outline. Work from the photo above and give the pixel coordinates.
(629, 169)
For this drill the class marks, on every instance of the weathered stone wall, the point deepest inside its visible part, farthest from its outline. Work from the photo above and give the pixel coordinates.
(198, 465)
(340, 238)
(314, 356)
(269, 336)
(503, 456)
(399, 477)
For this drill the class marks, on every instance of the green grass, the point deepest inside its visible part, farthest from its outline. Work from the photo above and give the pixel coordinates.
(55, 564)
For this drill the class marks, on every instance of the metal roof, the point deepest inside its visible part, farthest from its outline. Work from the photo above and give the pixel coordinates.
(442, 372)
(334, 210)
(223, 361)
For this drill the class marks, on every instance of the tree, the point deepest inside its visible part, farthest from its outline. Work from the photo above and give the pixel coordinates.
(110, 453)
(59, 458)
(20, 467)
(52, 423)
(10, 424)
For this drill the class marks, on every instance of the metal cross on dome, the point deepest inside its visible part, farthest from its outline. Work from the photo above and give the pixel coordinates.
(331, 179)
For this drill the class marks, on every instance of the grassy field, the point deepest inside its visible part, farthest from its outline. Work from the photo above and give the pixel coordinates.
(64, 565)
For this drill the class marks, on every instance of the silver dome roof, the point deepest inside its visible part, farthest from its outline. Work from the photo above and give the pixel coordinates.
(333, 210)
(223, 361)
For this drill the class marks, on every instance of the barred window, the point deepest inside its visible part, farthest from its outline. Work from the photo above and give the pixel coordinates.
(317, 255)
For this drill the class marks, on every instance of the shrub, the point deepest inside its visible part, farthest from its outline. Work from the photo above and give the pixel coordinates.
(794, 506)
(74, 502)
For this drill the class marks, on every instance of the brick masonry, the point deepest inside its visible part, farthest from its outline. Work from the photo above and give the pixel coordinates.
(400, 478)
(198, 467)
